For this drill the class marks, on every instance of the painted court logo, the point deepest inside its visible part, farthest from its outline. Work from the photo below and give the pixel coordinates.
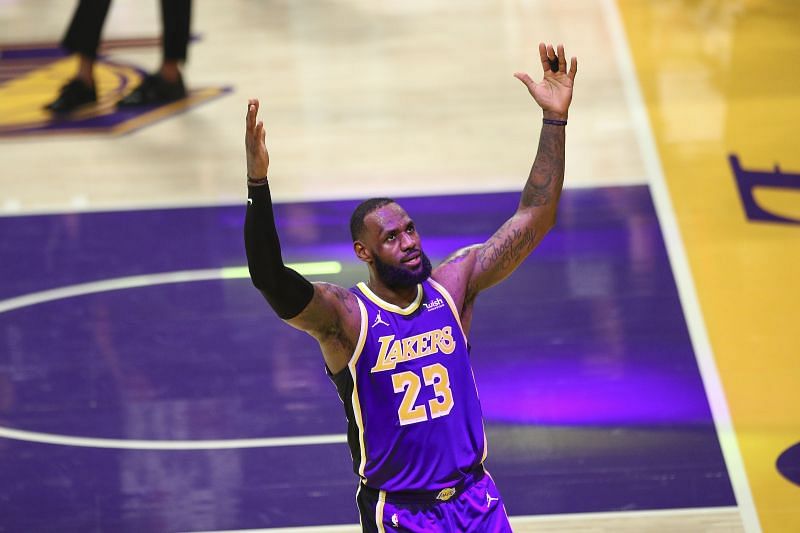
(32, 75)
(788, 464)
(768, 196)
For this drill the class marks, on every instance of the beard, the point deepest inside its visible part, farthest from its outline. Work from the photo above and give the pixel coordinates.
(396, 277)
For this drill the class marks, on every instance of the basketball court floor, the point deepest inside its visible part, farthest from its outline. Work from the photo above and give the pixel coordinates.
(638, 373)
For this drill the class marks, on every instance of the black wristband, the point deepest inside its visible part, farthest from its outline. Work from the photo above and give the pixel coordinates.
(552, 122)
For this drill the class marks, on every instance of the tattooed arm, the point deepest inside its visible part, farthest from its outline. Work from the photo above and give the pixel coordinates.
(333, 318)
(478, 267)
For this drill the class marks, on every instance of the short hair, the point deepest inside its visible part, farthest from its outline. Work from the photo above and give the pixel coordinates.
(360, 213)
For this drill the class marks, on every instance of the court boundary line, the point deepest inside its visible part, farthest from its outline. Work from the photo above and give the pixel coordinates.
(81, 204)
(515, 520)
(147, 280)
(310, 268)
(679, 263)
(169, 445)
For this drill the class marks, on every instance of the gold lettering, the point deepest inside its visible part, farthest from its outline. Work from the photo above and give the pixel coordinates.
(384, 363)
(393, 351)
(446, 343)
(424, 346)
(395, 354)
(408, 348)
(435, 336)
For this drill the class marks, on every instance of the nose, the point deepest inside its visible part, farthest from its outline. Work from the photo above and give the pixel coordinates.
(407, 241)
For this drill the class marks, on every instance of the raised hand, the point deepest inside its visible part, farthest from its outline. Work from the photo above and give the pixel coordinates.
(554, 92)
(255, 143)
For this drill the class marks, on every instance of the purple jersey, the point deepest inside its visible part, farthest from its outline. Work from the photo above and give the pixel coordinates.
(414, 419)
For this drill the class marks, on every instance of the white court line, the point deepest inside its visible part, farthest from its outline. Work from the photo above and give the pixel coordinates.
(133, 444)
(587, 518)
(617, 515)
(15, 208)
(680, 268)
(183, 276)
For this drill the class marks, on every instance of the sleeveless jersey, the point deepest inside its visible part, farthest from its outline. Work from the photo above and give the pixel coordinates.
(414, 418)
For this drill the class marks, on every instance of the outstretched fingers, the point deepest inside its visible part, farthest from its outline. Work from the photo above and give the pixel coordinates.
(562, 59)
(252, 113)
(526, 79)
(255, 143)
(260, 133)
(544, 58)
(555, 60)
(552, 58)
(549, 58)
(254, 133)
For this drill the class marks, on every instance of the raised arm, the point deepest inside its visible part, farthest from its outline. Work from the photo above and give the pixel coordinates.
(327, 312)
(478, 267)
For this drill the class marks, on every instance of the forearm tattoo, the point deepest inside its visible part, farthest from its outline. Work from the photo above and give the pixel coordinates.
(507, 247)
(543, 187)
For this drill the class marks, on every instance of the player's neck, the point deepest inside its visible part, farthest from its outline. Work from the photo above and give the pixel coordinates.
(401, 297)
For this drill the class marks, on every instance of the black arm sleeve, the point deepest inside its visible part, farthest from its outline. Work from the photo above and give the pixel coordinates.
(287, 292)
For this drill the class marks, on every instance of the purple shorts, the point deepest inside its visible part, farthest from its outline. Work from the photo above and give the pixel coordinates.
(476, 506)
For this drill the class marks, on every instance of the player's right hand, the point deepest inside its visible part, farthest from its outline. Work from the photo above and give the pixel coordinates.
(255, 143)
(554, 92)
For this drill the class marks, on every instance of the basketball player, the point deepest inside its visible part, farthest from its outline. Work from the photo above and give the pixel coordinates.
(396, 346)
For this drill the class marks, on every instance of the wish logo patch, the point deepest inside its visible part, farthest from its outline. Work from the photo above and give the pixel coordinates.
(31, 77)
(434, 304)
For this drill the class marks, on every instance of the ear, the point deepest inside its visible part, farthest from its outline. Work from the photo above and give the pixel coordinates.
(362, 252)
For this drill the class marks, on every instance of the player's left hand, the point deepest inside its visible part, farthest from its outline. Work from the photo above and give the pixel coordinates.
(255, 143)
(554, 92)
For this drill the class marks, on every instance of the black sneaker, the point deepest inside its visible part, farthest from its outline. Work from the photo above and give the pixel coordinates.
(154, 90)
(73, 95)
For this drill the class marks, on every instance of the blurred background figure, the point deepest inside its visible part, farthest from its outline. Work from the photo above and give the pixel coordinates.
(83, 38)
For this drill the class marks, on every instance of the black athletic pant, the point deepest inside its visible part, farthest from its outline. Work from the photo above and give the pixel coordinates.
(83, 35)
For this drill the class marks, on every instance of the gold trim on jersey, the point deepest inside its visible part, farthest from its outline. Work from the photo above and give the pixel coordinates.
(379, 511)
(351, 365)
(485, 443)
(413, 306)
(358, 494)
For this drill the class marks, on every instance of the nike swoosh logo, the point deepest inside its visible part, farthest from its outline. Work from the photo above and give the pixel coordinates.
(249, 201)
